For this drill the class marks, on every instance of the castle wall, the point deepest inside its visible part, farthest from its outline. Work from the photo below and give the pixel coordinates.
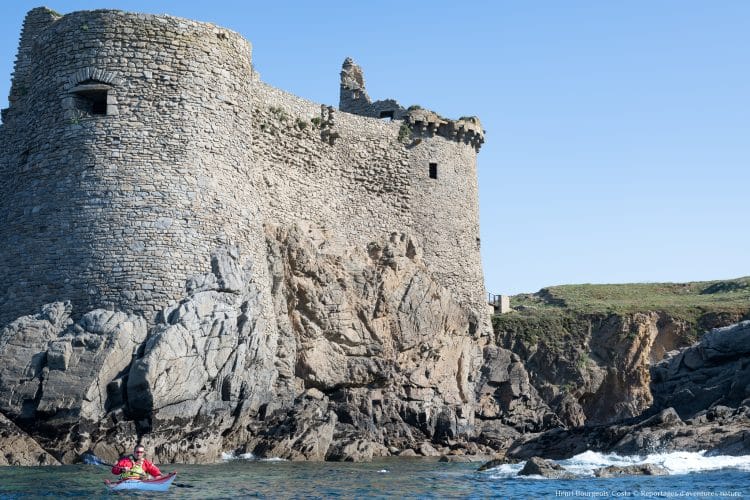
(117, 210)
(451, 203)
(358, 189)
(370, 184)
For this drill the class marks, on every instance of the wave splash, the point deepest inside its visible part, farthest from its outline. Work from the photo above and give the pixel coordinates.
(229, 456)
(679, 462)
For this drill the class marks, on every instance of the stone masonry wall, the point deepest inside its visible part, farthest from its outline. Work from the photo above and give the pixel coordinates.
(117, 210)
(358, 189)
(370, 184)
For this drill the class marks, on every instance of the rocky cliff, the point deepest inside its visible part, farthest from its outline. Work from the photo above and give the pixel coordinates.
(701, 402)
(366, 356)
(589, 349)
(362, 354)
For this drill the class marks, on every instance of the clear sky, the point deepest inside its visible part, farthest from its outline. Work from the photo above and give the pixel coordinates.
(618, 133)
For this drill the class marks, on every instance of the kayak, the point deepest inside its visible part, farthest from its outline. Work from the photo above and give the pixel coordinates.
(157, 484)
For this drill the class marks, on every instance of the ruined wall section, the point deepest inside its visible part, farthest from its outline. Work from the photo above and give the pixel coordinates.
(117, 210)
(358, 189)
(353, 97)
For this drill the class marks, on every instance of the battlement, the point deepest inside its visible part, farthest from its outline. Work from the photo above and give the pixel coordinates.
(353, 98)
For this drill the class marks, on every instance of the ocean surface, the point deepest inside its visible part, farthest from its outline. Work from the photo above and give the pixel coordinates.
(692, 475)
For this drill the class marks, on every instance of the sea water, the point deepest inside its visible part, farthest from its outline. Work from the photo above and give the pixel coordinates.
(692, 475)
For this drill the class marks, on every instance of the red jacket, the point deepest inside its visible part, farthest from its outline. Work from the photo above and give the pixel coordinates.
(130, 461)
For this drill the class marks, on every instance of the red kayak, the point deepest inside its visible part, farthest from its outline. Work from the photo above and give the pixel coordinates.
(156, 484)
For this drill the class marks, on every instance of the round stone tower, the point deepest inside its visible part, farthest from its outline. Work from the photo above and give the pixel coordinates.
(125, 159)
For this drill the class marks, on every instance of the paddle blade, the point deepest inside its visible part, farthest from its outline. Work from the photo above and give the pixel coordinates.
(91, 459)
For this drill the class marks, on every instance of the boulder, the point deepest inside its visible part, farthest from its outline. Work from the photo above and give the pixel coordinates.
(631, 470)
(495, 462)
(536, 466)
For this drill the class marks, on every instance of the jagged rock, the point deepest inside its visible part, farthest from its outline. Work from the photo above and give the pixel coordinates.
(226, 266)
(592, 368)
(666, 417)
(495, 462)
(202, 363)
(391, 348)
(358, 450)
(715, 371)
(505, 393)
(17, 448)
(356, 353)
(631, 470)
(536, 466)
(427, 450)
(70, 374)
(305, 433)
(726, 435)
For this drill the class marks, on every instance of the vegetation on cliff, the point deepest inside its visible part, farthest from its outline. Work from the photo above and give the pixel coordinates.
(588, 348)
(702, 304)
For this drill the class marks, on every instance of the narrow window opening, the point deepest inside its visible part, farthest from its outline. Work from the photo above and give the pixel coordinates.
(433, 170)
(90, 97)
(386, 114)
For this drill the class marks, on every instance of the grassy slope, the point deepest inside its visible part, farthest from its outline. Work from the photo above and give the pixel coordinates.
(683, 300)
(554, 313)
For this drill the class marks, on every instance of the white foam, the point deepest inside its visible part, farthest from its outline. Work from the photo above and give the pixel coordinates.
(230, 455)
(678, 462)
(685, 462)
(505, 471)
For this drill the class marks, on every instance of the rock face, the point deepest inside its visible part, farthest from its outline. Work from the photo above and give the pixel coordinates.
(592, 369)
(363, 355)
(715, 371)
(19, 449)
(69, 375)
(700, 403)
(357, 354)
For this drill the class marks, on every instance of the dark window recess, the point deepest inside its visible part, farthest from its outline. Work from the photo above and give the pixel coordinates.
(433, 170)
(386, 114)
(91, 97)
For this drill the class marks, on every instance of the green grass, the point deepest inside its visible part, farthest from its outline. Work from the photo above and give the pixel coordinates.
(683, 300)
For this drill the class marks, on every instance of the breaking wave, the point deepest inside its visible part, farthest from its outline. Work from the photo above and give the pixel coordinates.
(230, 455)
(678, 462)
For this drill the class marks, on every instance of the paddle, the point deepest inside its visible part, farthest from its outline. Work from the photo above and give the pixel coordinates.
(91, 459)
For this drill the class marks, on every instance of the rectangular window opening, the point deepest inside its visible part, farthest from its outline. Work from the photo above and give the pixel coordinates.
(433, 170)
(386, 114)
(91, 98)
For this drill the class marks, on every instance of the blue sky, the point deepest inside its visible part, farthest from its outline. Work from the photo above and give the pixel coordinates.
(618, 133)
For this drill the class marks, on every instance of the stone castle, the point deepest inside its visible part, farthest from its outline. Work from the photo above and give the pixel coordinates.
(135, 144)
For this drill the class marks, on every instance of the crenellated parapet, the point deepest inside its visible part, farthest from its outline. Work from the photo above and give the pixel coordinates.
(353, 98)
(426, 123)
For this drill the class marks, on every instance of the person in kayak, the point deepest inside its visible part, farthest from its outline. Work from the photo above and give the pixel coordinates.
(136, 465)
